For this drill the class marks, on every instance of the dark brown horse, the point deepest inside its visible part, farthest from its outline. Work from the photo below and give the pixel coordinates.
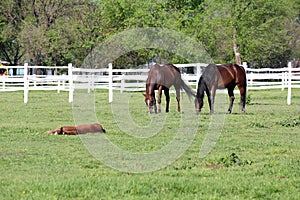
(3, 72)
(162, 78)
(221, 76)
(296, 63)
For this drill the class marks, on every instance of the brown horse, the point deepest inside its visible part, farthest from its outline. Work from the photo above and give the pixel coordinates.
(296, 63)
(162, 78)
(3, 72)
(79, 129)
(221, 76)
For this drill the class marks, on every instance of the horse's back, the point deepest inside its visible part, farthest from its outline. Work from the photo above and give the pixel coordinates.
(226, 75)
(168, 70)
(164, 75)
(234, 71)
(152, 75)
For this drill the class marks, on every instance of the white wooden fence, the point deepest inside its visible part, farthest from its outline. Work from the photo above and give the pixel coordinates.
(125, 79)
(134, 79)
(278, 78)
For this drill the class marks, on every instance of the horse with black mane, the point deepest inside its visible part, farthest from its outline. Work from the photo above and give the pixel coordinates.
(162, 78)
(221, 76)
(3, 72)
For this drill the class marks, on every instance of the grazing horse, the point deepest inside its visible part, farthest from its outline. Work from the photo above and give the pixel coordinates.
(296, 63)
(3, 72)
(162, 78)
(221, 76)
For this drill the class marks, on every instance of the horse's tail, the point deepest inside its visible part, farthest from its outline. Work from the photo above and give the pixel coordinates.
(243, 71)
(190, 92)
(245, 82)
(201, 88)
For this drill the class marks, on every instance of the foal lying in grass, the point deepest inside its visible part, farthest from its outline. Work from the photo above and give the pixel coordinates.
(80, 129)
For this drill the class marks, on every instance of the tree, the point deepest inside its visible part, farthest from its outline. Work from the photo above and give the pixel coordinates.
(43, 23)
(253, 31)
(120, 15)
(294, 29)
(51, 32)
(10, 23)
(56, 32)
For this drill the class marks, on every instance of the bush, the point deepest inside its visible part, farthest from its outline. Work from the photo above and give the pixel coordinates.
(291, 122)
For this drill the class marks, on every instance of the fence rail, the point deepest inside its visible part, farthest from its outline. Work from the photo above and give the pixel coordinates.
(134, 79)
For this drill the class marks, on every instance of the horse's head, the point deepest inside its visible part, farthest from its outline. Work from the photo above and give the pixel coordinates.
(2, 72)
(150, 101)
(198, 104)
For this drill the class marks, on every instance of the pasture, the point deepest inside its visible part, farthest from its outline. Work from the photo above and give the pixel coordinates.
(256, 157)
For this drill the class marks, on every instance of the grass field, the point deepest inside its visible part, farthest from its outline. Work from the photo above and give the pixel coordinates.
(256, 157)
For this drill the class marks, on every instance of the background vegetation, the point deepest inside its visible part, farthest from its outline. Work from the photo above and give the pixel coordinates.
(263, 33)
(256, 156)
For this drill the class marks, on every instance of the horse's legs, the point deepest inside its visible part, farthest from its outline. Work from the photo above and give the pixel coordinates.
(154, 102)
(178, 98)
(211, 99)
(167, 94)
(159, 99)
(231, 98)
(208, 93)
(243, 96)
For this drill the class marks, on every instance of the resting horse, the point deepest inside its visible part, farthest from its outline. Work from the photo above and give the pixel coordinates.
(221, 76)
(79, 129)
(162, 78)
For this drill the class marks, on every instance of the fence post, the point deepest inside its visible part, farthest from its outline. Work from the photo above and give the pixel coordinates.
(122, 84)
(3, 83)
(58, 86)
(283, 80)
(71, 87)
(245, 65)
(251, 79)
(26, 83)
(199, 73)
(89, 82)
(110, 83)
(93, 81)
(34, 80)
(289, 95)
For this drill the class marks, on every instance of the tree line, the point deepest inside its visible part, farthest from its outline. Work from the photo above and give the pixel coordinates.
(264, 33)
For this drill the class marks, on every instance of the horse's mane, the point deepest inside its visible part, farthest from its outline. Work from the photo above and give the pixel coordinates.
(173, 66)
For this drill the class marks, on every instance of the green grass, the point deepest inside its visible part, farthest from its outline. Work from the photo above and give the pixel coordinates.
(256, 157)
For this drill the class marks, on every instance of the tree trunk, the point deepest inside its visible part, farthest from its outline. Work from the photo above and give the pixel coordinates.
(238, 59)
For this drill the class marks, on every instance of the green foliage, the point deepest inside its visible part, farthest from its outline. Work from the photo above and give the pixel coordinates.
(248, 99)
(261, 31)
(291, 122)
(233, 160)
(61, 31)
